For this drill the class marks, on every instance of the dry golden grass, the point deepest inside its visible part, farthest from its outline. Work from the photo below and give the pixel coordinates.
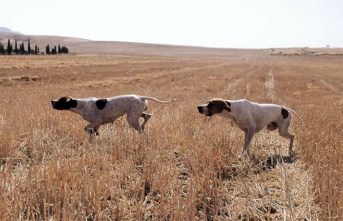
(184, 167)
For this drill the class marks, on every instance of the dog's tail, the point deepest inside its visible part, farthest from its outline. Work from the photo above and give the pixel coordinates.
(295, 113)
(156, 100)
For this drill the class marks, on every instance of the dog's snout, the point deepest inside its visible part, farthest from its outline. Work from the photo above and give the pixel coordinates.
(200, 109)
(53, 103)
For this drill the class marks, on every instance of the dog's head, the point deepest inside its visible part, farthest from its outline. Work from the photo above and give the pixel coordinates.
(214, 106)
(64, 103)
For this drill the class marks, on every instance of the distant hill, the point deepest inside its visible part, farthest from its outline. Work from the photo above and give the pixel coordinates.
(3, 29)
(84, 46)
(7, 30)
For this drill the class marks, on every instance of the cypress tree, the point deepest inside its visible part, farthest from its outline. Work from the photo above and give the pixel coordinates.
(15, 47)
(9, 47)
(47, 49)
(29, 47)
(2, 50)
(22, 48)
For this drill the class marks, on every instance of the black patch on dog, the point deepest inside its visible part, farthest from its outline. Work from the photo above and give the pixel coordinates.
(228, 103)
(101, 103)
(284, 113)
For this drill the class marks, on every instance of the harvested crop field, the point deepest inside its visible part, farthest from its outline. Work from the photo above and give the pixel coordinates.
(184, 166)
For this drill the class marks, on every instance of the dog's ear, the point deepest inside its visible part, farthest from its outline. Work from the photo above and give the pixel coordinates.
(72, 102)
(226, 105)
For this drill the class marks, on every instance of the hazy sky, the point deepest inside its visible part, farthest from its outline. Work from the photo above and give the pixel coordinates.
(227, 23)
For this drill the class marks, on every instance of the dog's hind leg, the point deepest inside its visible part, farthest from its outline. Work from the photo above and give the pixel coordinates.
(133, 121)
(146, 117)
(283, 131)
(291, 140)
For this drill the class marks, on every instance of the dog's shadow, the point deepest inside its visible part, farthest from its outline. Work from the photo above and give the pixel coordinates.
(256, 165)
(272, 161)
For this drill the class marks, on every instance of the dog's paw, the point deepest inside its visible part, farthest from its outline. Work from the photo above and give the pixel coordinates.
(244, 156)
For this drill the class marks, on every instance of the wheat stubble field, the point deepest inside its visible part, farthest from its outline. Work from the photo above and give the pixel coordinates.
(185, 166)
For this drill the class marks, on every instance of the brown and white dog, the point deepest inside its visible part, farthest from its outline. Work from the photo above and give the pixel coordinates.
(103, 111)
(252, 117)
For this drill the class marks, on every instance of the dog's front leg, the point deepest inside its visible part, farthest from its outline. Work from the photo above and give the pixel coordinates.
(92, 129)
(249, 133)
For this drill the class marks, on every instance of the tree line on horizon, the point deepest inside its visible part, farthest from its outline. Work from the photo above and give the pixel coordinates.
(21, 50)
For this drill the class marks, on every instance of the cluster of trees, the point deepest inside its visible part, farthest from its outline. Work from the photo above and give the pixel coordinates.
(59, 50)
(21, 50)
